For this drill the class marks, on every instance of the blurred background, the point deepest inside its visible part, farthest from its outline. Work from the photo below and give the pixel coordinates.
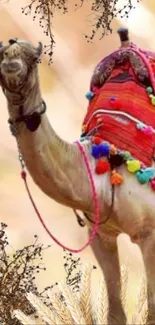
(64, 85)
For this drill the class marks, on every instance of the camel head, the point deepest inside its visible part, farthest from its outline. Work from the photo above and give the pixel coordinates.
(17, 61)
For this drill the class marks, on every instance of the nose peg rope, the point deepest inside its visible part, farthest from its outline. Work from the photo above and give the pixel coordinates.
(95, 199)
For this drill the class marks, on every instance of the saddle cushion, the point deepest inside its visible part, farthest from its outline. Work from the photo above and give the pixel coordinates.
(121, 107)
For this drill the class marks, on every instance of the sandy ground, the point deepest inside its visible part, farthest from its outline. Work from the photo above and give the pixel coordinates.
(64, 85)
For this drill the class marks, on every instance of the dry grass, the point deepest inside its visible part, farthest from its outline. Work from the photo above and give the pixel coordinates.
(81, 307)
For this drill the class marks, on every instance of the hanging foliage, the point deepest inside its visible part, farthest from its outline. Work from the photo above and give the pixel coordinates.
(103, 12)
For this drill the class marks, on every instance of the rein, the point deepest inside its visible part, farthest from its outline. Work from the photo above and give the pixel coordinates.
(94, 196)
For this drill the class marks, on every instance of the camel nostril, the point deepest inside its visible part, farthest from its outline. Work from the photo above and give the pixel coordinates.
(14, 65)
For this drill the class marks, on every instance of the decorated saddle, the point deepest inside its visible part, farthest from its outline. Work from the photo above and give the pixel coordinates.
(120, 118)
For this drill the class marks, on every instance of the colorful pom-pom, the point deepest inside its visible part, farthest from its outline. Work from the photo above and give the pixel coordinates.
(149, 90)
(116, 160)
(149, 172)
(113, 150)
(100, 150)
(116, 178)
(146, 175)
(104, 149)
(133, 165)
(126, 155)
(95, 90)
(148, 130)
(152, 182)
(84, 128)
(142, 165)
(99, 120)
(113, 102)
(153, 100)
(96, 140)
(82, 139)
(96, 151)
(89, 95)
(102, 167)
(140, 126)
(142, 177)
(153, 67)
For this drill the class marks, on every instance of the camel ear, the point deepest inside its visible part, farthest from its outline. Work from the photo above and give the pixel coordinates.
(32, 52)
(39, 50)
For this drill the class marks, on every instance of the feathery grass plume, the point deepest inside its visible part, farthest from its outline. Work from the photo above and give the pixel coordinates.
(102, 13)
(45, 313)
(66, 307)
(142, 317)
(60, 306)
(73, 304)
(124, 285)
(27, 320)
(101, 304)
(86, 292)
(141, 307)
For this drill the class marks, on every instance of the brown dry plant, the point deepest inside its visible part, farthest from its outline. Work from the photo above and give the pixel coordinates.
(18, 270)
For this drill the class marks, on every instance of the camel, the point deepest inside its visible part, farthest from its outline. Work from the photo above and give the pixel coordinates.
(58, 168)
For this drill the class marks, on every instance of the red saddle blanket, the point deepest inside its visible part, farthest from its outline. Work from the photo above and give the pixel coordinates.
(120, 104)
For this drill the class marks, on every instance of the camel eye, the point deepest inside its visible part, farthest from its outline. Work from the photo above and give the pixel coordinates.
(5, 54)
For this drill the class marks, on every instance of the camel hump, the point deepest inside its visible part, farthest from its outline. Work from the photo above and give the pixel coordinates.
(123, 34)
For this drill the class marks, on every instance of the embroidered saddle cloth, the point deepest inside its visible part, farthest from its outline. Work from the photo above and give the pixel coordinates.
(121, 106)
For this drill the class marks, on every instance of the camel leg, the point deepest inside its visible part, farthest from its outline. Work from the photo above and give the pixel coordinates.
(147, 246)
(108, 258)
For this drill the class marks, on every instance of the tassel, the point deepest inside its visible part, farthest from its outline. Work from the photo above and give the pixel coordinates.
(116, 178)
(97, 140)
(102, 167)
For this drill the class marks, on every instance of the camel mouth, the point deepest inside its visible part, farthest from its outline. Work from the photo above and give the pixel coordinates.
(11, 71)
(9, 68)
